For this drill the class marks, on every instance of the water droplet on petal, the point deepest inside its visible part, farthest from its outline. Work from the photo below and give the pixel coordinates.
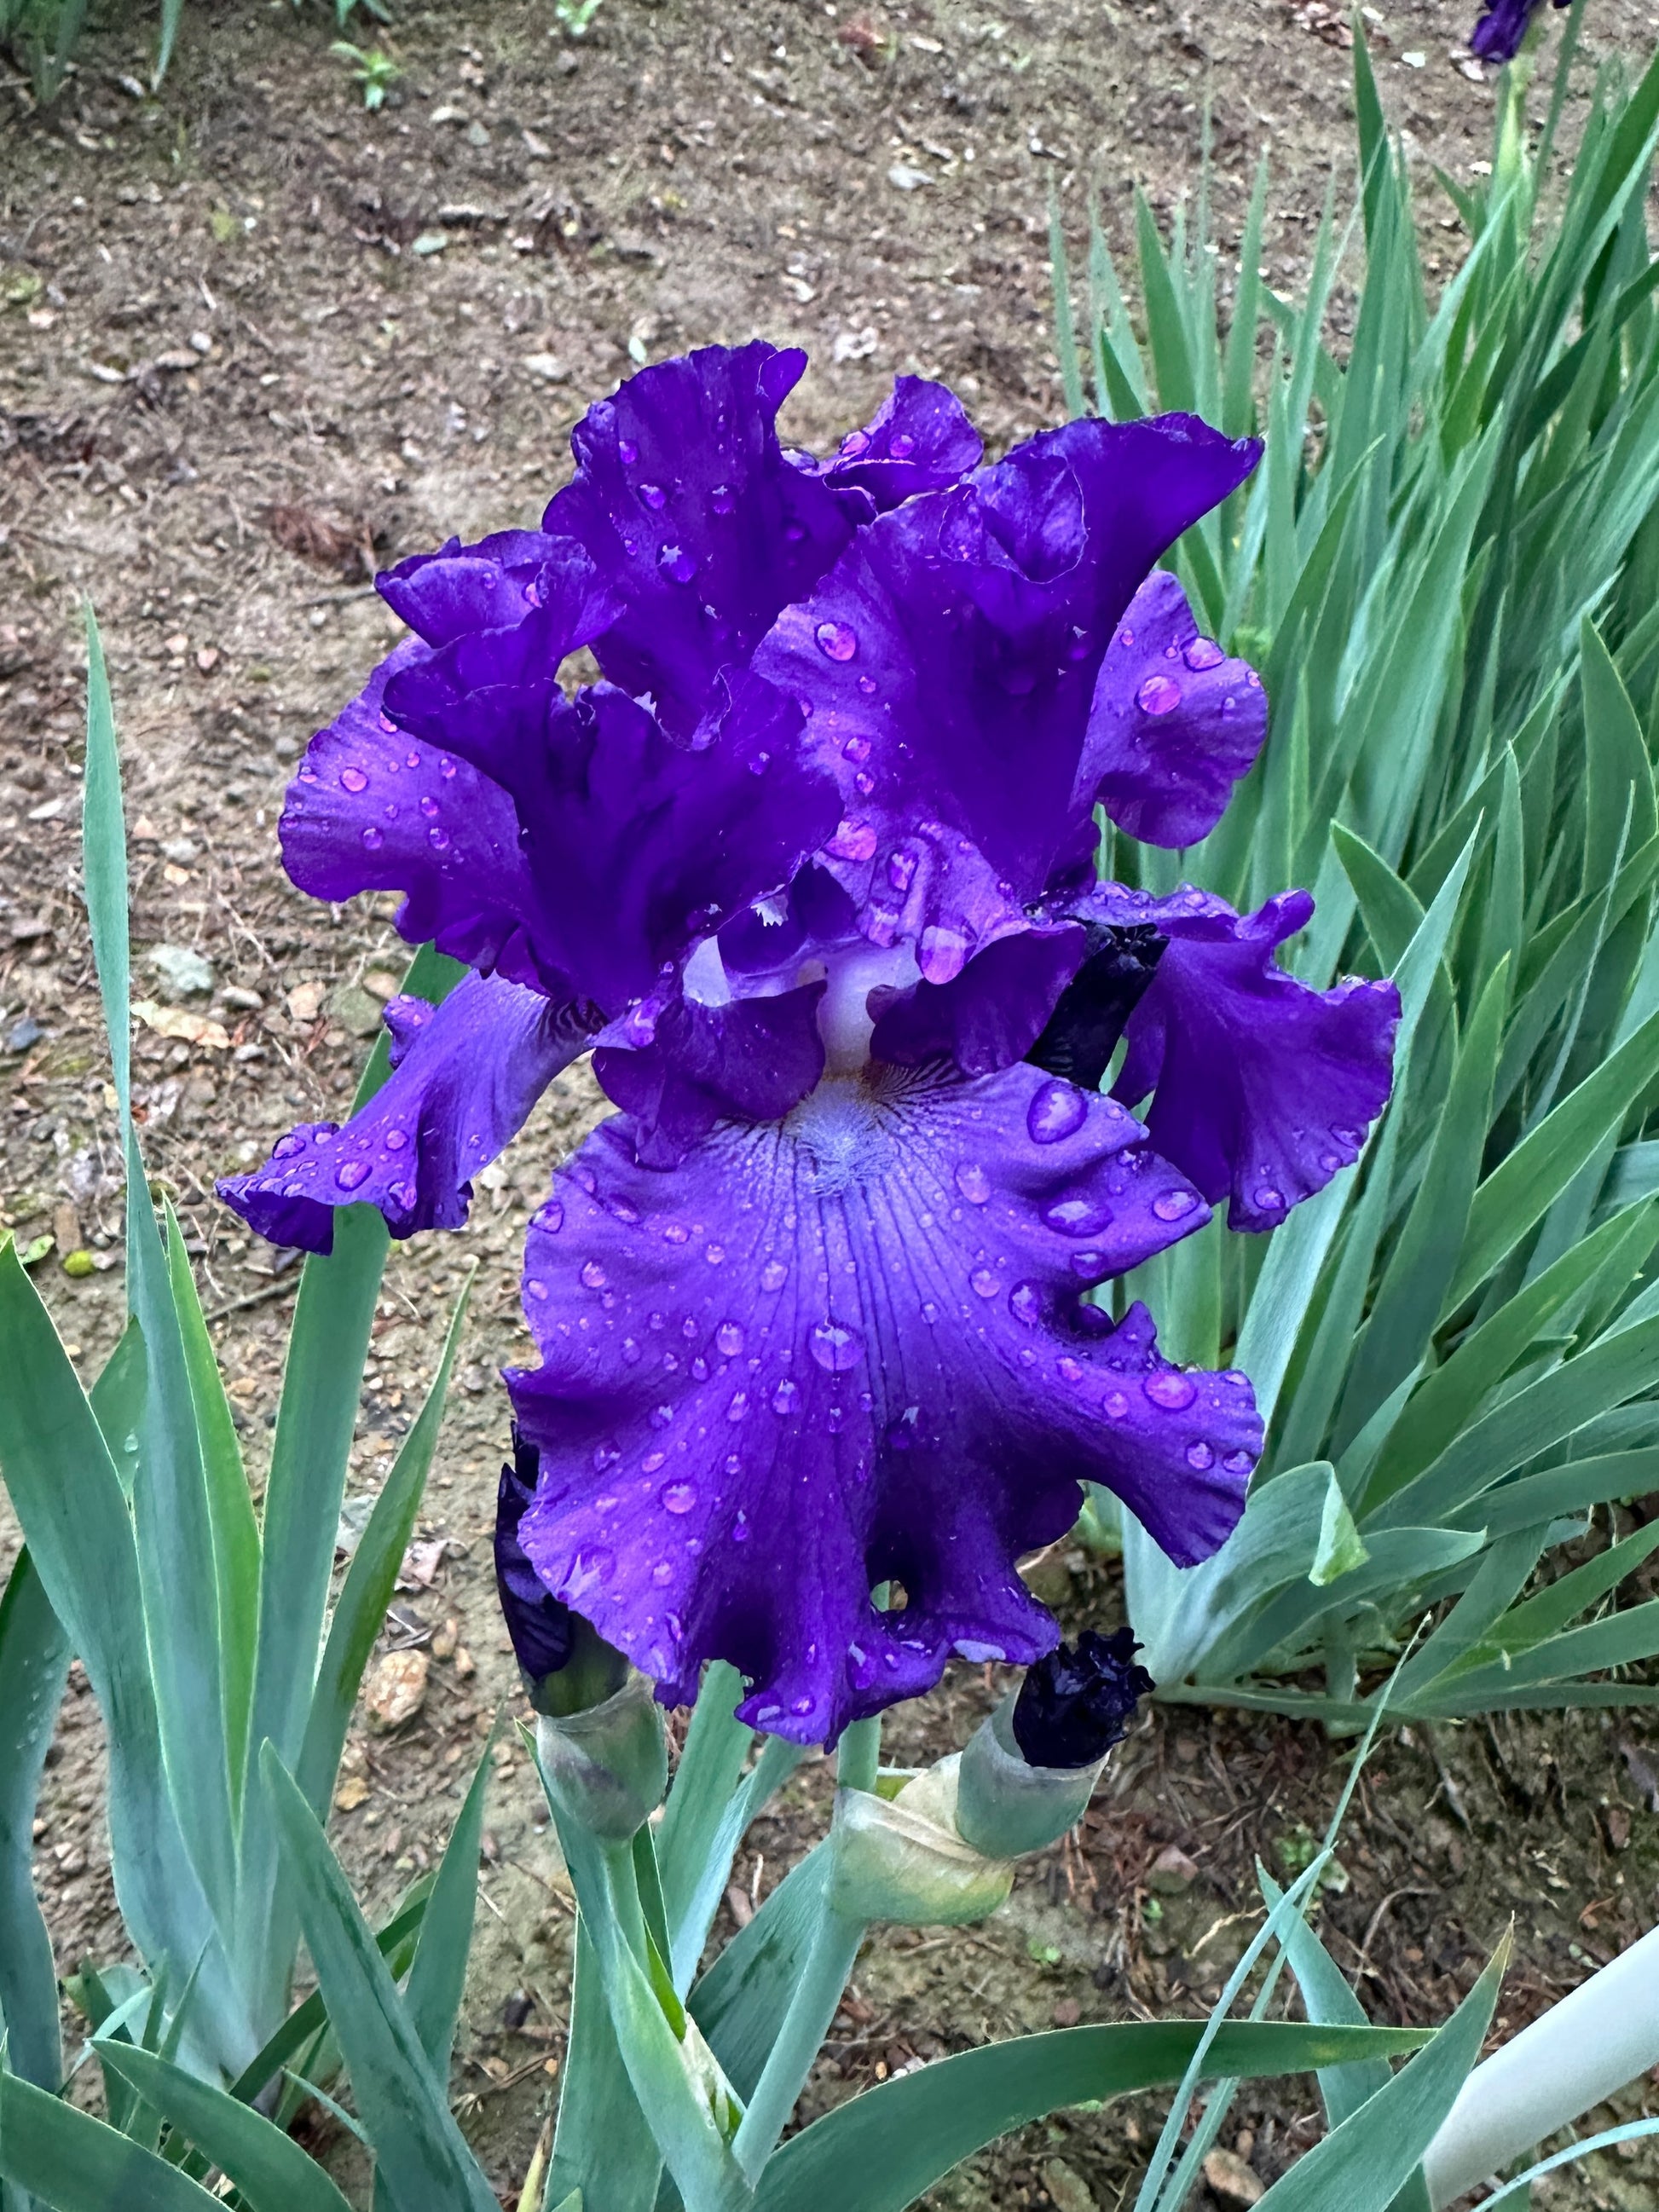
(679, 1496)
(288, 1147)
(901, 445)
(1069, 1370)
(1057, 1111)
(676, 563)
(721, 499)
(653, 496)
(774, 1275)
(353, 779)
(728, 1339)
(594, 1275)
(1025, 1303)
(550, 1217)
(438, 837)
(373, 839)
(1267, 1200)
(1204, 653)
(834, 1347)
(653, 1460)
(1169, 1388)
(1199, 1456)
(838, 641)
(738, 1409)
(984, 1283)
(350, 1173)
(1172, 1205)
(395, 1139)
(1159, 695)
(1077, 1216)
(1238, 1462)
(786, 1397)
(900, 867)
(627, 451)
(853, 840)
(662, 1573)
(1114, 1405)
(972, 1183)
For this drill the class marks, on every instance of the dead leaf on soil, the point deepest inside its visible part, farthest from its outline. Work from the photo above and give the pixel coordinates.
(199, 1030)
(350, 1794)
(1231, 2180)
(340, 543)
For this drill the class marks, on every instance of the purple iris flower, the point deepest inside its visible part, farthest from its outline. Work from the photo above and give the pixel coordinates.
(811, 870)
(1498, 34)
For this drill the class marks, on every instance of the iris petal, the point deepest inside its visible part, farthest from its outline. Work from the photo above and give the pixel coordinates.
(947, 663)
(1174, 725)
(466, 1074)
(849, 1350)
(686, 503)
(919, 439)
(1262, 1088)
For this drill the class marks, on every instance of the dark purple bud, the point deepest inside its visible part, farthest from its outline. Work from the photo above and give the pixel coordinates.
(1076, 1703)
(543, 1630)
(1498, 36)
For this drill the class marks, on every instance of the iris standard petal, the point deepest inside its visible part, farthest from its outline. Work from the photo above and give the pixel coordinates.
(686, 503)
(1262, 1088)
(494, 585)
(466, 1074)
(851, 1351)
(755, 1058)
(947, 664)
(989, 1015)
(1498, 35)
(632, 845)
(1174, 725)
(919, 439)
(373, 809)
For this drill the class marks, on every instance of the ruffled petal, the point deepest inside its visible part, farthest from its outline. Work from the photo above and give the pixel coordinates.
(919, 439)
(466, 1074)
(1262, 1088)
(1174, 725)
(1498, 35)
(948, 662)
(632, 846)
(370, 809)
(687, 503)
(849, 1350)
(494, 585)
(754, 1058)
(987, 1017)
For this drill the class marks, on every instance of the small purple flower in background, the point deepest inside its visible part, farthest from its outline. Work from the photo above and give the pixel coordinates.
(543, 1632)
(812, 872)
(1498, 34)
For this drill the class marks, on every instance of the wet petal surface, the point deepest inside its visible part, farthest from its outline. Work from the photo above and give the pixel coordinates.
(466, 1074)
(1174, 724)
(851, 1351)
(686, 501)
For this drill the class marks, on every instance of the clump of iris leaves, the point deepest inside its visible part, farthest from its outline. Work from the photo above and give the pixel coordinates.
(1448, 566)
(43, 35)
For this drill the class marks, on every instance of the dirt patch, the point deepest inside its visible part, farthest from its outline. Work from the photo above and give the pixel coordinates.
(254, 342)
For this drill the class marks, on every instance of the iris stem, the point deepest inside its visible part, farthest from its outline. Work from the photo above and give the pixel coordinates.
(858, 1757)
(823, 1977)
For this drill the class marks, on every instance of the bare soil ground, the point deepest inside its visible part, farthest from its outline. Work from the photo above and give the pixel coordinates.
(254, 343)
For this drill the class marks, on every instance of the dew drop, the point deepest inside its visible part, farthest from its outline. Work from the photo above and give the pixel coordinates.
(1077, 1216)
(679, 1496)
(721, 499)
(774, 1275)
(373, 839)
(675, 1232)
(728, 1339)
(627, 451)
(1068, 1369)
(446, 767)
(662, 1573)
(429, 805)
(1025, 1303)
(677, 563)
(971, 1180)
(738, 1410)
(288, 1148)
(901, 445)
(1203, 652)
(550, 1217)
(1173, 1204)
(353, 779)
(1114, 1405)
(834, 1347)
(1267, 1200)
(653, 1460)
(350, 1173)
(1238, 1462)
(535, 1288)
(901, 868)
(853, 840)
(983, 1283)
(438, 837)
(856, 750)
(786, 1397)
(1199, 1456)
(838, 641)
(594, 1275)
(1159, 695)
(1169, 1388)
(653, 496)
(1057, 1111)
(605, 1455)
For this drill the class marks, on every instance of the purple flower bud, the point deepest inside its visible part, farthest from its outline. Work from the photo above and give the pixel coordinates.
(543, 1631)
(1076, 1703)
